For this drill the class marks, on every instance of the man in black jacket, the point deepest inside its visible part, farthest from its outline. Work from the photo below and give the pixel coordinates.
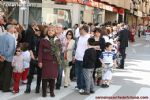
(124, 36)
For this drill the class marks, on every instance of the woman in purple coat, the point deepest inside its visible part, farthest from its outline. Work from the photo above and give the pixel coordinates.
(48, 59)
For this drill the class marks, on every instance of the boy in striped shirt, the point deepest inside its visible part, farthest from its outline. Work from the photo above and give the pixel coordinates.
(107, 59)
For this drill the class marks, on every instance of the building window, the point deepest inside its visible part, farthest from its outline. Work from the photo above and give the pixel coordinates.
(35, 15)
(56, 15)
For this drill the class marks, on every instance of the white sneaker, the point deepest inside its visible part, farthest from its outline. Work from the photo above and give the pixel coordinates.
(81, 91)
(76, 88)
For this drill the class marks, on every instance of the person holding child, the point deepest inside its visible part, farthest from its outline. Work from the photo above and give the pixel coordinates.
(107, 59)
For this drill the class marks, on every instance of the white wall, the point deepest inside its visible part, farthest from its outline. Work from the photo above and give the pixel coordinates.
(75, 14)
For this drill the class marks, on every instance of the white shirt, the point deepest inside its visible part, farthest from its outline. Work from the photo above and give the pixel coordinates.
(26, 59)
(77, 33)
(18, 64)
(106, 38)
(82, 45)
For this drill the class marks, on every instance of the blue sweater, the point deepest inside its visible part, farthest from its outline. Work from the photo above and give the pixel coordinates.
(7, 46)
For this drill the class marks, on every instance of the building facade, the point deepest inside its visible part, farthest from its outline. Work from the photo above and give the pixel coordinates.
(70, 12)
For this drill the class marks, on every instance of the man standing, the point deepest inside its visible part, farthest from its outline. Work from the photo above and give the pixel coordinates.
(7, 50)
(59, 32)
(124, 36)
(82, 45)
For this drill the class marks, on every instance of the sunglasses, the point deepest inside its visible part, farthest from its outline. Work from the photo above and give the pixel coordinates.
(18, 50)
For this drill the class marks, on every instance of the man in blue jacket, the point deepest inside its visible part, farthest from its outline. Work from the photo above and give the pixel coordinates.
(7, 50)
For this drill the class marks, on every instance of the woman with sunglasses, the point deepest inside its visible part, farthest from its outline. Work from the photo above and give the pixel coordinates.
(70, 43)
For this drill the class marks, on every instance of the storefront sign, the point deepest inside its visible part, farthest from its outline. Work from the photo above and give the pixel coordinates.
(118, 10)
(139, 13)
(107, 7)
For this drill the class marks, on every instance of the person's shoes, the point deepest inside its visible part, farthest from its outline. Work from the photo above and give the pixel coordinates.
(37, 90)
(119, 68)
(92, 92)
(57, 88)
(107, 86)
(98, 84)
(76, 88)
(28, 89)
(14, 92)
(85, 93)
(81, 91)
(65, 86)
(52, 94)
(44, 95)
(103, 85)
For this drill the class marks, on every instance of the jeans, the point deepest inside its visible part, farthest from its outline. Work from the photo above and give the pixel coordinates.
(59, 78)
(88, 76)
(79, 74)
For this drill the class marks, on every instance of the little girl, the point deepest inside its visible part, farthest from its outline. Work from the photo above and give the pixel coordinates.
(17, 64)
(26, 62)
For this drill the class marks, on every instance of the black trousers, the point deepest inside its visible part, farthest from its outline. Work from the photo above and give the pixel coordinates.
(34, 69)
(5, 75)
(123, 55)
(45, 84)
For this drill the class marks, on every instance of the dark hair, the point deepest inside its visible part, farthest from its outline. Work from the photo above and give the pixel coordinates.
(70, 33)
(25, 46)
(82, 22)
(85, 28)
(65, 28)
(91, 41)
(107, 44)
(97, 30)
(77, 25)
(18, 47)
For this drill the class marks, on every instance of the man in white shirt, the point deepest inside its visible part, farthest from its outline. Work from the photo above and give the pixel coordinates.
(77, 32)
(82, 45)
(61, 36)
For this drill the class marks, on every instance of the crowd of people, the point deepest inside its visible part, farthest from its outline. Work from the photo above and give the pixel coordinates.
(87, 53)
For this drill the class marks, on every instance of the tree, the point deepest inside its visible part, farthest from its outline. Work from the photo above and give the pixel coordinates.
(5, 10)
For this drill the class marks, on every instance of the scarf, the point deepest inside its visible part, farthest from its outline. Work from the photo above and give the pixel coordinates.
(55, 48)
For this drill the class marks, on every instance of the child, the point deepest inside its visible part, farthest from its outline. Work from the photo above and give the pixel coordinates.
(89, 60)
(17, 64)
(26, 62)
(108, 60)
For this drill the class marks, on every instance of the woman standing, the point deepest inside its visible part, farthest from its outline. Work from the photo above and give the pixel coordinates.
(133, 30)
(48, 60)
(99, 46)
(70, 43)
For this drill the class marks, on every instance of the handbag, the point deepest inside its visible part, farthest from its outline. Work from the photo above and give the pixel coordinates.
(71, 63)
